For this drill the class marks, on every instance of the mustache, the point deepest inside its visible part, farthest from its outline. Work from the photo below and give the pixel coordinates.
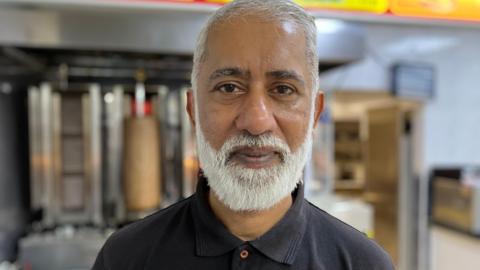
(262, 141)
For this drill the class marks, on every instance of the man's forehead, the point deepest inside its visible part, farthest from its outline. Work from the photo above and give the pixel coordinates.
(240, 45)
(249, 23)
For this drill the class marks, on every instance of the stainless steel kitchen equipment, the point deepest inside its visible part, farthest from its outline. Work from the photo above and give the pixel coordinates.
(65, 138)
(455, 198)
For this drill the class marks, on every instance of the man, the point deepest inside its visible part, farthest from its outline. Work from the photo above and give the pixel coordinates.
(254, 104)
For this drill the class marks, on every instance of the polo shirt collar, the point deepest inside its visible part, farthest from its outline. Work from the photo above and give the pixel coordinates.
(212, 238)
(281, 243)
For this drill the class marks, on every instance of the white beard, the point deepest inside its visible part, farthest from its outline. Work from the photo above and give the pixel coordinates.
(247, 189)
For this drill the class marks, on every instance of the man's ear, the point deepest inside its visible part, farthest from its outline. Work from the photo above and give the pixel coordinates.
(319, 105)
(191, 107)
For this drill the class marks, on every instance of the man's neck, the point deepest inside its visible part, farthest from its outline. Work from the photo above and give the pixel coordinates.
(248, 225)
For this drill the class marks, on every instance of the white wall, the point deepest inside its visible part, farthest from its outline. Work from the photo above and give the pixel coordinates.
(451, 131)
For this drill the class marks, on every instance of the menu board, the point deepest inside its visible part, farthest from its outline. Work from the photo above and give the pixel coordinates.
(441, 9)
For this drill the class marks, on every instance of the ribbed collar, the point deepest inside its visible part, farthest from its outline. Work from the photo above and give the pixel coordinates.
(281, 243)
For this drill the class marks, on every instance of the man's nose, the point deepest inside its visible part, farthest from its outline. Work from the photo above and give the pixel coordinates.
(256, 115)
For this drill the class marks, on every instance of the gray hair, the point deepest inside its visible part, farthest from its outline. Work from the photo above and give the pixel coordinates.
(269, 10)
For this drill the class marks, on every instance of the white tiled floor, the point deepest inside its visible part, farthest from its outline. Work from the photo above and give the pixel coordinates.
(454, 251)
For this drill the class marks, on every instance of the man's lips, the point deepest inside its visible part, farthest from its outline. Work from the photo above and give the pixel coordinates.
(256, 157)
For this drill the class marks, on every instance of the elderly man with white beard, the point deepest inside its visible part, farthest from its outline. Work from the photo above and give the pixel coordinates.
(255, 101)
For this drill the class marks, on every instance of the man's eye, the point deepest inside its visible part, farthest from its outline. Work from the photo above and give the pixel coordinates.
(228, 88)
(283, 90)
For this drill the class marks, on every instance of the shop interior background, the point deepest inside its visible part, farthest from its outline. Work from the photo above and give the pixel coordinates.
(88, 87)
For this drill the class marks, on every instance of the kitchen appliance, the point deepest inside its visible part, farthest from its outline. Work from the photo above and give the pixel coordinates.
(455, 198)
(65, 139)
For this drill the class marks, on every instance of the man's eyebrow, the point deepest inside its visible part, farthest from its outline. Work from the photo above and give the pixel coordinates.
(286, 74)
(229, 71)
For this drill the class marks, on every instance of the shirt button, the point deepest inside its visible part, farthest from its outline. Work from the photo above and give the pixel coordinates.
(244, 254)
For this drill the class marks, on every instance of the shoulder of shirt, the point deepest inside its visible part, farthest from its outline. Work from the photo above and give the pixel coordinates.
(133, 241)
(152, 221)
(353, 245)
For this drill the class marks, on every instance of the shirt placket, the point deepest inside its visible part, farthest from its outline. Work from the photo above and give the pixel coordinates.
(242, 257)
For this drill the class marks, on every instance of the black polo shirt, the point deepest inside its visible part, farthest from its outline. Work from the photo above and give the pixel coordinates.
(187, 235)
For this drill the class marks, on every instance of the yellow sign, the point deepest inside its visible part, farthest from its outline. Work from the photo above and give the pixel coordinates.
(440, 9)
(375, 6)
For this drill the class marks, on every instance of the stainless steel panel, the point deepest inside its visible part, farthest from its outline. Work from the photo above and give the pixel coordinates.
(72, 155)
(476, 211)
(162, 93)
(189, 151)
(56, 209)
(161, 113)
(36, 161)
(93, 133)
(77, 157)
(76, 28)
(72, 193)
(172, 151)
(114, 149)
(71, 119)
(408, 201)
(66, 249)
(47, 152)
(339, 41)
(165, 31)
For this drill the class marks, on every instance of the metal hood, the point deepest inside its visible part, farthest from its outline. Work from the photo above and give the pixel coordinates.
(87, 29)
(365, 75)
(153, 29)
(339, 42)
